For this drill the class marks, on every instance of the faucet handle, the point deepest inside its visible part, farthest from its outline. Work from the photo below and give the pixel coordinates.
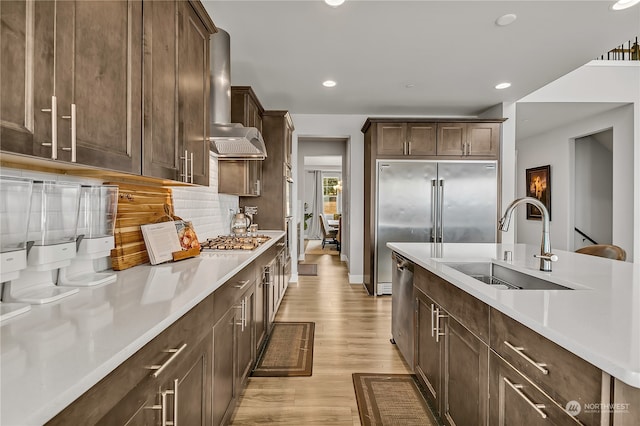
(547, 256)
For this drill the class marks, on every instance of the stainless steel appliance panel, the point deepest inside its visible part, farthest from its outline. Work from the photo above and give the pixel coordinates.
(402, 327)
(404, 210)
(468, 197)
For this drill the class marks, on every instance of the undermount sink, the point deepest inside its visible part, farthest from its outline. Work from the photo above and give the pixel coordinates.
(503, 278)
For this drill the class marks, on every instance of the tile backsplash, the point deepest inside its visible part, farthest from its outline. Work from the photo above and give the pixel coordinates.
(204, 207)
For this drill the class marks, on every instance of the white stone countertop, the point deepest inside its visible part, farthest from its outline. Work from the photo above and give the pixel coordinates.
(54, 353)
(599, 320)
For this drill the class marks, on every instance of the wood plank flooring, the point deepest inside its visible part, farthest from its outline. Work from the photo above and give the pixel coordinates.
(351, 336)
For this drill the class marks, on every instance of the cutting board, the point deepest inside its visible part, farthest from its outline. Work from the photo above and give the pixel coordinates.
(137, 205)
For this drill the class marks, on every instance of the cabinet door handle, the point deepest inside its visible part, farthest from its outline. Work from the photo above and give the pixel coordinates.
(408, 147)
(73, 132)
(164, 408)
(173, 392)
(520, 351)
(54, 128)
(244, 314)
(185, 167)
(191, 168)
(432, 322)
(438, 317)
(516, 388)
(159, 368)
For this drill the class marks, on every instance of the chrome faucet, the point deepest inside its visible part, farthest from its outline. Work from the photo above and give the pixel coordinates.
(545, 256)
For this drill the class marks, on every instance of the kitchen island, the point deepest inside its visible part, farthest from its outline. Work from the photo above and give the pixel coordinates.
(597, 318)
(56, 352)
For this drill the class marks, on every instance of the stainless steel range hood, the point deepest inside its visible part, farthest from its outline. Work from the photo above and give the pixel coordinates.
(228, 140)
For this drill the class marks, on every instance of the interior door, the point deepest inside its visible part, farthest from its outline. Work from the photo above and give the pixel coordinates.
(404, 208)
(468, 195)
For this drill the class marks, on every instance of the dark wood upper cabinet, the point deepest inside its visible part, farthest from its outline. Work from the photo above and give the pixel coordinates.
(176, 93)
(193, 95)
(97, 71)
(160, 92)
(277, 132)
(16, 73)
(469, 139)
(119, 85)
(245, 107)
(406, 139)
(71, 81)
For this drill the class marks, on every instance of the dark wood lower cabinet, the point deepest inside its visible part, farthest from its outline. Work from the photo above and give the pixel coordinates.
(207, 356)
(224, 388)
(428, 352)
(452, 364)
(465, 376)
(514, 400)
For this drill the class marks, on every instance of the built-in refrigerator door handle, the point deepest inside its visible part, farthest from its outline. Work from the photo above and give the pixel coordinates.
(441, 208)
(433, 211)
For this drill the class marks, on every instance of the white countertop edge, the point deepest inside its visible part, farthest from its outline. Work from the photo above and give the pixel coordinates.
(471, 286)
(43, 412)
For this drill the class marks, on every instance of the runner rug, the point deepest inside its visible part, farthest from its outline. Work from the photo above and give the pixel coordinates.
(391, 399)
(310, 269)
(289, 351)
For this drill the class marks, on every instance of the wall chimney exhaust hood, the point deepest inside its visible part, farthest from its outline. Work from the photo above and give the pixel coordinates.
(228, 140)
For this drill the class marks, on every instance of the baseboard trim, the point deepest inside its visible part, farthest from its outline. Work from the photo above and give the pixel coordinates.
(356, 279)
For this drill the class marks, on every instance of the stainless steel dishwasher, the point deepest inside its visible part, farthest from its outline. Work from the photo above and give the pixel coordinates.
(402, 306)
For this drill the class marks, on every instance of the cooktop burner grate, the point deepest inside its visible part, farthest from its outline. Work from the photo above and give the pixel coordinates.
(226, 242)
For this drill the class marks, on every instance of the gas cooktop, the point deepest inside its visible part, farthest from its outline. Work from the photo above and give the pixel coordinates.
(227, 242)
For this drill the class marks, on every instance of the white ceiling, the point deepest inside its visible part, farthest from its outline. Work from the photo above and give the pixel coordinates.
(451, 51)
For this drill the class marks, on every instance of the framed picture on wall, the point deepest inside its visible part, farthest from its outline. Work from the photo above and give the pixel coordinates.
(539, 186)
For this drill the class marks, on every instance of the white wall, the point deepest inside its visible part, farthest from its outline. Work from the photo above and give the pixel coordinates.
(556, 148)
(598, 81)
(344, 127)
(593, 192)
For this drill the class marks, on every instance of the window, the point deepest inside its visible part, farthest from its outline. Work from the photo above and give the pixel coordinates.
(331, 188)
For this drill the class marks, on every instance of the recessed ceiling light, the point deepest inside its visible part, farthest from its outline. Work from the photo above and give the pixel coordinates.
(329, 83)
(334, 3)
(505, 20)
(624, 4)
(503, 85)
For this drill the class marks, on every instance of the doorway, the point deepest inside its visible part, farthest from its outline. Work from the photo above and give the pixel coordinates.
(322, 203)
(593, 194)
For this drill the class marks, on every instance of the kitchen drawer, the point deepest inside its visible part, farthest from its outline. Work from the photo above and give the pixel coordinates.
(230, 292)
(132, 374)
(514, 400)
(563, 375)
(469, 311)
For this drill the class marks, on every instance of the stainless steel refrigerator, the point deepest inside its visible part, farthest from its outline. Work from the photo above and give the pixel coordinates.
(432, 201)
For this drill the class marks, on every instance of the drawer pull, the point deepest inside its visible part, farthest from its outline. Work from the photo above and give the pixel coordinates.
(160, 368)
(516, 388)
(242, 284)
(519, 350)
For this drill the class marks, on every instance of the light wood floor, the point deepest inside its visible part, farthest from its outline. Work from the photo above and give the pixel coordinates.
(351, 335)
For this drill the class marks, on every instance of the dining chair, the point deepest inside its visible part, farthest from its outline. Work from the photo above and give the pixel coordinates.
(329, 234)
(604, 250)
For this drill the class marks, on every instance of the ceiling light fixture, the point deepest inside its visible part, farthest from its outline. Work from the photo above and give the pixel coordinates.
(624, 4)
(334, 3)
(505, 20)
(503, 85)
(329, 83)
